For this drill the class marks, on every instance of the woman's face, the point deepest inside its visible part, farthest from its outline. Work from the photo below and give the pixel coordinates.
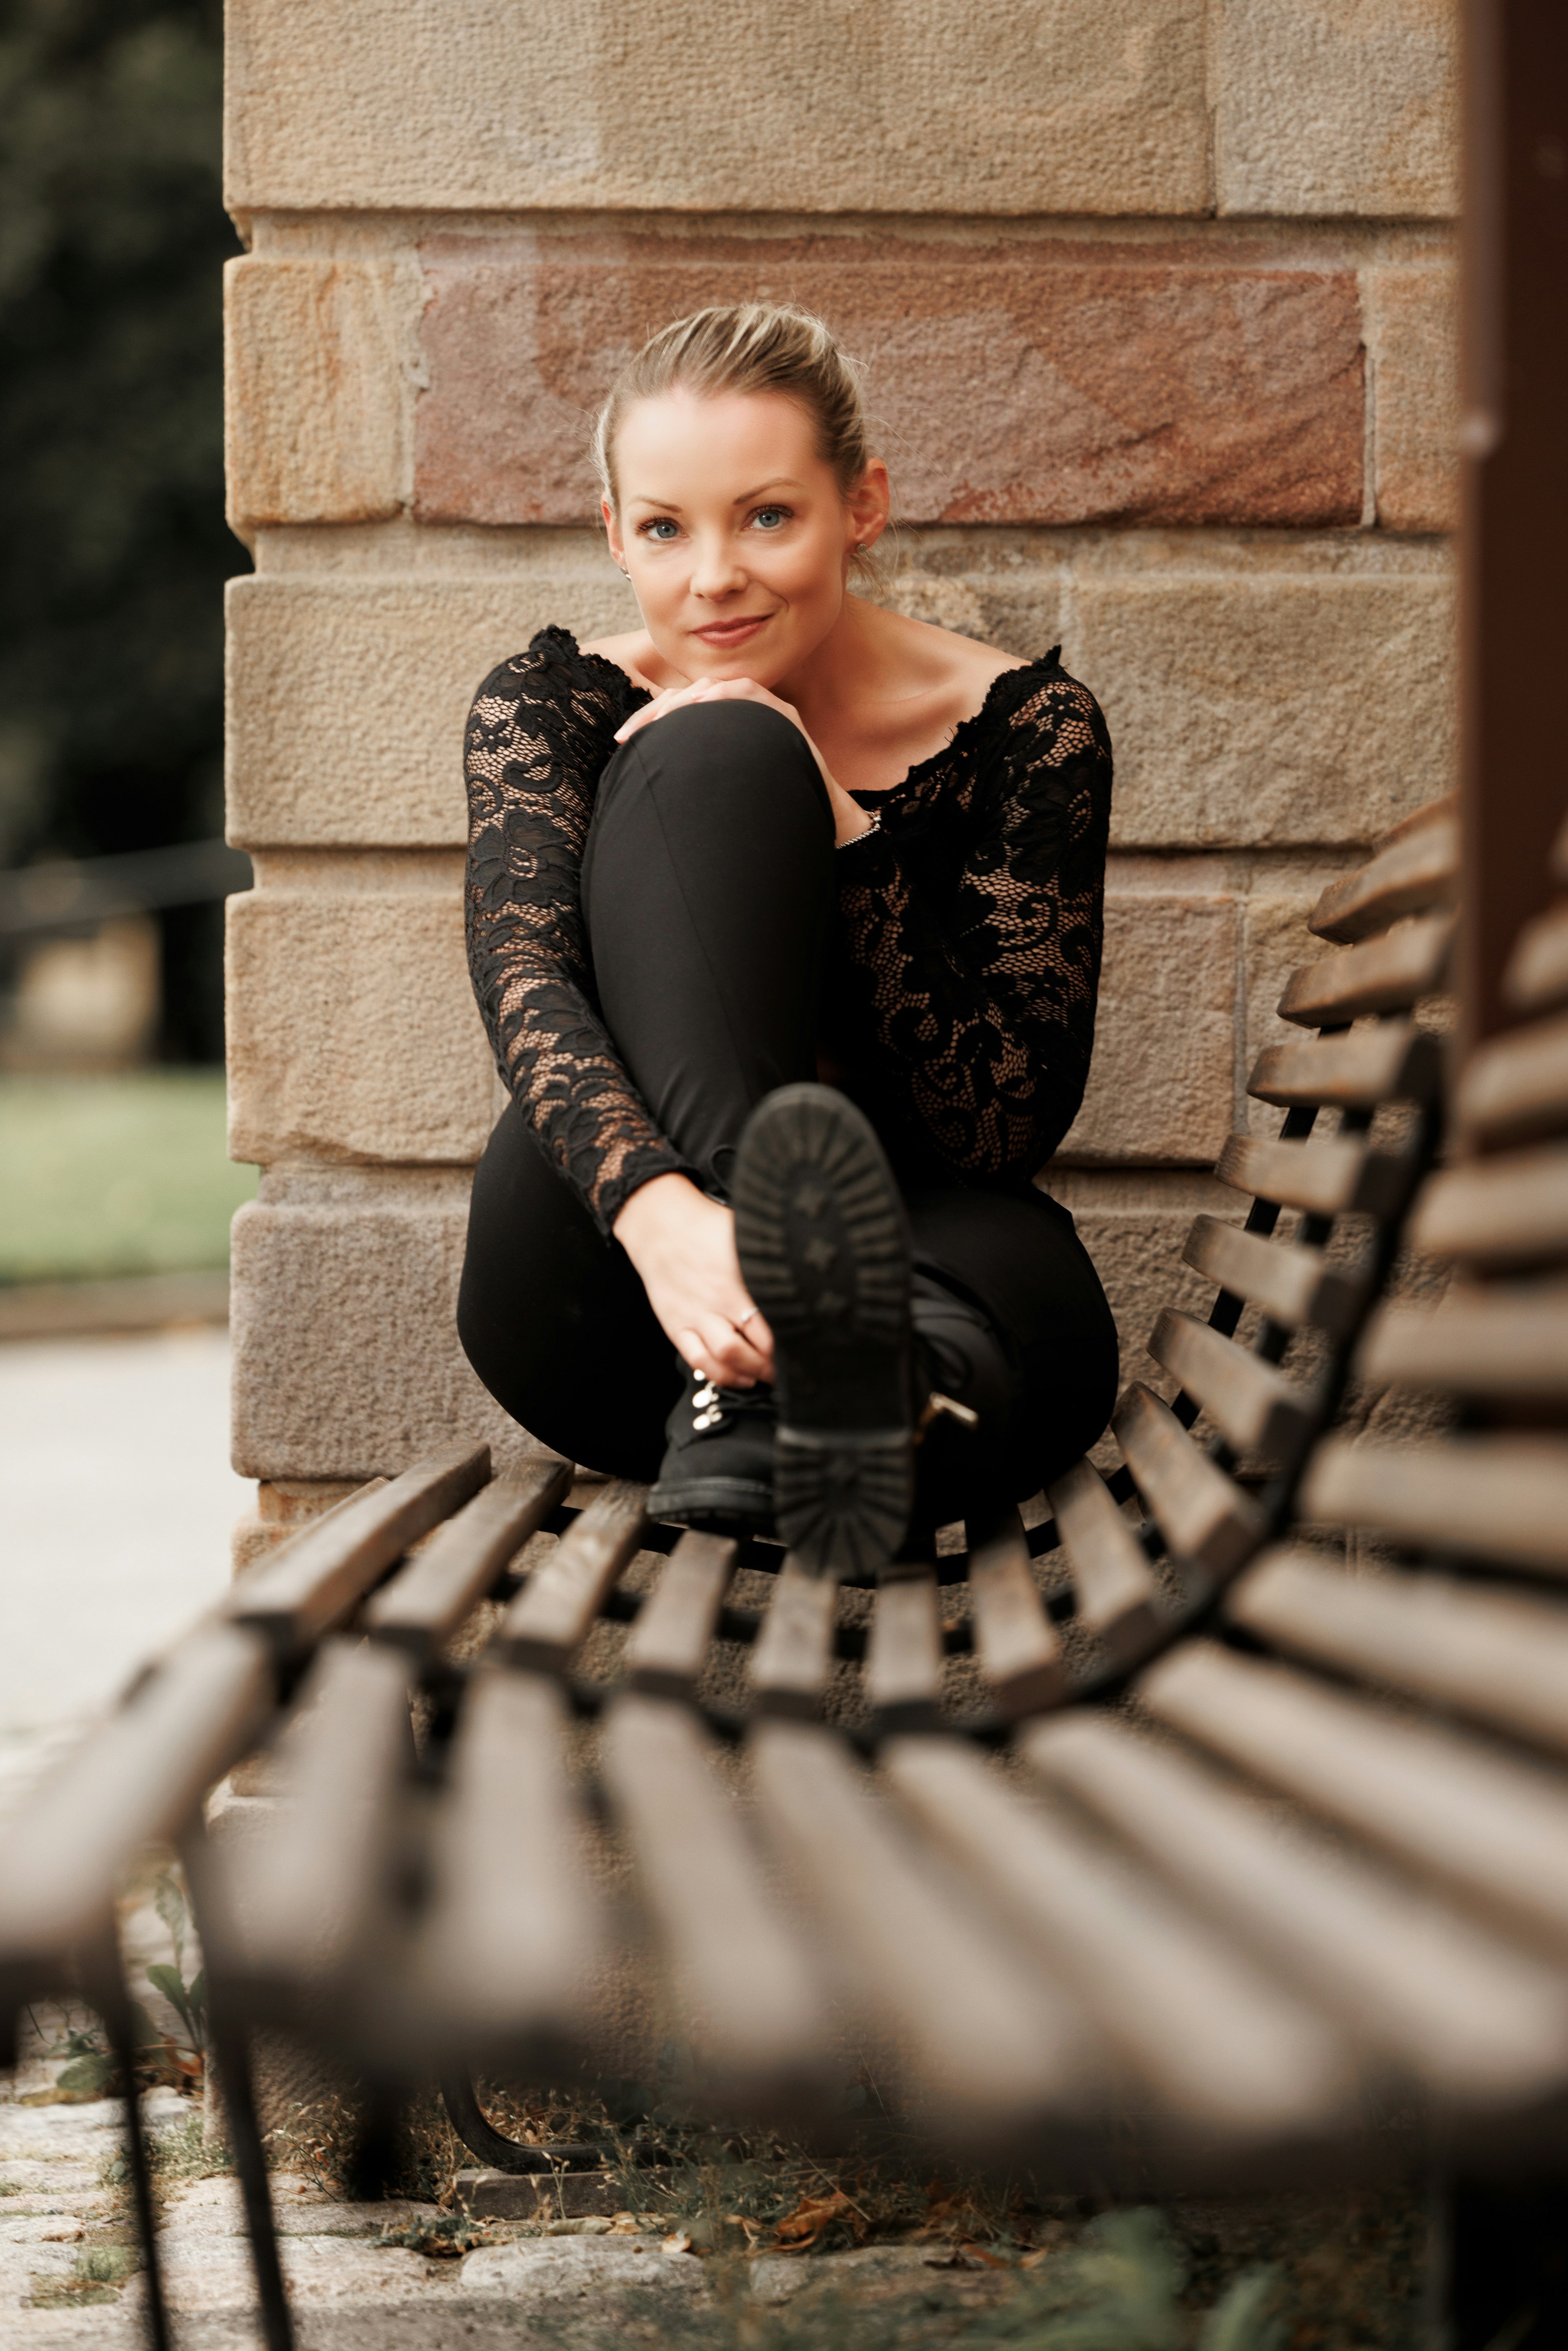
(734, 531)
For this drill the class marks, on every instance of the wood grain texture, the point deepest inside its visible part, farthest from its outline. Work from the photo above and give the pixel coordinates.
(1331, 1178)
(427, 1600)
(1381, 975)
(1439, 1801)
(1411, 1979)
(1016, 1644)
(1395, 1062)
(793, 1657)
(1503, 1497)
(667, 1648)
(307, 1586)
(1112, 1577)
(1254, 1407)
(904, 1656)
(1415, 873)
(1204, 1515)
(555, 1610)
(1291, 1284)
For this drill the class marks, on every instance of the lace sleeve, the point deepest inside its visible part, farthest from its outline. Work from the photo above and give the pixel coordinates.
(982, 1003)
(540, 732)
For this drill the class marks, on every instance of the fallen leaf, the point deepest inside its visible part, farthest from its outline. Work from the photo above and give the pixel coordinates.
(680, 2243)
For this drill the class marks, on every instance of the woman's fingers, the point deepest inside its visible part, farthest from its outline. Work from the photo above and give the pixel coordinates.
(712, 1345)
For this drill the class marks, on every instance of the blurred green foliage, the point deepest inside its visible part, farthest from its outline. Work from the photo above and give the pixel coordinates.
(101, 1176)
(113, 549)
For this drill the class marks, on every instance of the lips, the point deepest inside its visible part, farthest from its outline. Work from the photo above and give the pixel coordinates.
(732, 632)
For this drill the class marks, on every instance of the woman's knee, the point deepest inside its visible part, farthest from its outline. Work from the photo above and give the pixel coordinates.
(738, 747)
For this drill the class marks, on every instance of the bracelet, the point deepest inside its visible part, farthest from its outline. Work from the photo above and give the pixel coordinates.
(874, 826)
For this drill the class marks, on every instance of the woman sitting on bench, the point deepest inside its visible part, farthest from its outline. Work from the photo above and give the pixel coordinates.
(775, 832)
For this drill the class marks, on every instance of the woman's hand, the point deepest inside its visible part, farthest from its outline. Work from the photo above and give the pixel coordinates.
(683, 1245)
(850, 820)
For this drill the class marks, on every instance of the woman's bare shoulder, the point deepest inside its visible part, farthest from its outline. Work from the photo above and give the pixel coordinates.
(944, 659)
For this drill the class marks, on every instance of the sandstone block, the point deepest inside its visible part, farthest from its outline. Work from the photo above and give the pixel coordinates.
(348, 696)
(346, 1358)
(1277, 941)
(317, 355)
(1162, 1081)
(1012, 389)
(352, 1030)
(1416, 345)
(1336, 106)
(1134, 1226)
(1267, 709)
(1088, 106)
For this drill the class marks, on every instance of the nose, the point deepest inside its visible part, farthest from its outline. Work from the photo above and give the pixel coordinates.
(717, 570)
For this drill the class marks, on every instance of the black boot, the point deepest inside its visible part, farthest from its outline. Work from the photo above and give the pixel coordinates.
(824, 1246)
(717, 1469)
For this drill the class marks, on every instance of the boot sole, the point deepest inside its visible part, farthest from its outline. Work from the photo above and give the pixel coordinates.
(824, 1247)
(728, 1502)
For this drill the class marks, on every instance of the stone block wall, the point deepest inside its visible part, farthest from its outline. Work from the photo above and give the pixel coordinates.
(1157, 301)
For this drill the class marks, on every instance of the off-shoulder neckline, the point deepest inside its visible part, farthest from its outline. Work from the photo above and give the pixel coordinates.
(959, 739)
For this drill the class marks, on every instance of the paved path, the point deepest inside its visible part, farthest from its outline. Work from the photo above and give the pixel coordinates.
(116, 1505)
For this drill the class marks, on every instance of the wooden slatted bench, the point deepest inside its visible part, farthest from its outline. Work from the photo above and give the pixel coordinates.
(1237, 1837)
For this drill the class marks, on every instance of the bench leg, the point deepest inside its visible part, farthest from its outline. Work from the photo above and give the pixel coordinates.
(481, 2138)
(104, 1983)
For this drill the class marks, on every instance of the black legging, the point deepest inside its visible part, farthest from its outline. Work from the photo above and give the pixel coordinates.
(708, 886)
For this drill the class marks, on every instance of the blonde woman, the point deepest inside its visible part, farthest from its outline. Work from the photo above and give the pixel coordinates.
(778, 834)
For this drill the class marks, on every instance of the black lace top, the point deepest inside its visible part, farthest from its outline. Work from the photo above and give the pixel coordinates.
(967, 955)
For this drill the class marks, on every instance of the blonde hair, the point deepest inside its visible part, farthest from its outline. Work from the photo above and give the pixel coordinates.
(749, 347)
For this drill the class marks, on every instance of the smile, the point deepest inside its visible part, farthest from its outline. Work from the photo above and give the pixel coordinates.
(732, 633)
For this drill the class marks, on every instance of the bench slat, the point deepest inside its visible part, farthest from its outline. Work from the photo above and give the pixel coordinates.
(1381, 975)
(1203, 1514)
(134, 1780)
(425, 1602)
(1395, 1061)
(1412, 874)
(1017, 1645)
(1332, 1178)
(1515, 1088)
(309, 1892)
(1111, 1572)
(1201, 2024)
(1496, 1212)
(667, 1648)
(1472, 2015)
(904, 1656)
(793, 1655)
(1503, 1498)
(1537, 975)
(1497, 1655)
(1291, 1284)
(1512, 1342)
(514, 1932)
(310, 1583)
(554, 1612)
(1254, 1407)
(991, 2035)
(1441, 1801)
(743, 1980)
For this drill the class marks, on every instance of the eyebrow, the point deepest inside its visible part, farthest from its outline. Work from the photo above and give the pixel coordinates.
(779, 482)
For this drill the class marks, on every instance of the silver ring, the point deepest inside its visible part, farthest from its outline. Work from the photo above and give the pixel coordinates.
(747, 1317)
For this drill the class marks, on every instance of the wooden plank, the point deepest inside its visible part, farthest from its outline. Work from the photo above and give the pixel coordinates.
(1442, 1802)
(1016, 1644)
(311, 1584)
(1201, 2025)
(1111, 1572)
(1416, 871)
(793, 1655)
(134, 1780)
(1254, 1407)
(1332, 1178)
(992, 2036)
(1506, 1341)
(1395, 1062)
(1500, 1212)
(1381, 975)
(1204, 1514)
(554, 1612)
(1291, 1284)
(1500, 1657)
(667, 1648)
(309, 1892)
(1468, 1497)
(1469, 2012)
(1537, 976)
(425, 1602)
(513, 1933)
(747, 1996)
(1436, 812)
(904, 1656)
(1515, 1088)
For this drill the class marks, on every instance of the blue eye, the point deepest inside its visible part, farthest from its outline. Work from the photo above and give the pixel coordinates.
(658, 529)
(770, 518)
